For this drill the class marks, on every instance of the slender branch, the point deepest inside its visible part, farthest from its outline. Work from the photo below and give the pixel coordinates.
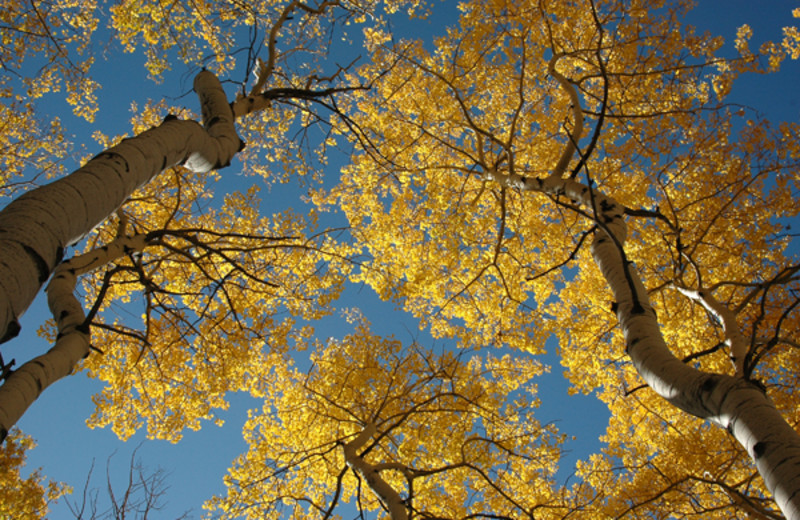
(577, 113)
(604, 105)
(571, 256)
(727, 318)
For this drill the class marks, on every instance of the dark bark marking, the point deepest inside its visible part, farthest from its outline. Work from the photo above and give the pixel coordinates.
(709, 384)
(11, 331)
(759, 449)
(39, 386)
(41, 266)
(219, 164)
(114, 156)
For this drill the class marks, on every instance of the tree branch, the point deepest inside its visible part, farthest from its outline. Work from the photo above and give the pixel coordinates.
(390, 497)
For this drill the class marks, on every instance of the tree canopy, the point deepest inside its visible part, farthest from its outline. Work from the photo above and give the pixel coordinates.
(563, 177)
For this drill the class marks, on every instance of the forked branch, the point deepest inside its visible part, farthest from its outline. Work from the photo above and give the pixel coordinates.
(390, 498)
(727, 319)
(577, 114)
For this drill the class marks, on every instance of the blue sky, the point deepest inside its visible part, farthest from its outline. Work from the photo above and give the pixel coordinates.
(67, 448)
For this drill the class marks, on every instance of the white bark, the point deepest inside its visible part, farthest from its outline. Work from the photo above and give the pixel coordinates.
(390, 498)
(37, 227)
(734, 339)
(733, 403)
(577, 131)
(25, 385)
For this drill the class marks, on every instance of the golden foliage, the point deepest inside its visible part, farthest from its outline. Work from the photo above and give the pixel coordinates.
(225, 298)
(23, 498)
(702, 181)
(454, 435)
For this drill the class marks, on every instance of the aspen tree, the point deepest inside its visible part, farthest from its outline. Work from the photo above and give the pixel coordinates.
(558, 127)
(503, 178)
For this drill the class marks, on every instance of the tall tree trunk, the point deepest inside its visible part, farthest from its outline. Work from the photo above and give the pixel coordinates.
(391, 499)
(732, 402)
(36, 227)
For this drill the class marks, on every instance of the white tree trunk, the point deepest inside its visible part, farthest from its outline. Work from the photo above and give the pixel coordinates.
(23, 386)
(733, 403)
(36, 227)
(390, 498)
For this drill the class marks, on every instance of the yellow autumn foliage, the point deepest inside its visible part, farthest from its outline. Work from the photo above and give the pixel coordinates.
(454, 434)
(227, 294)
(24, 498)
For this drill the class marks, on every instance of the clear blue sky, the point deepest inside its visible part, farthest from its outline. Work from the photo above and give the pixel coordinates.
(197, 464)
